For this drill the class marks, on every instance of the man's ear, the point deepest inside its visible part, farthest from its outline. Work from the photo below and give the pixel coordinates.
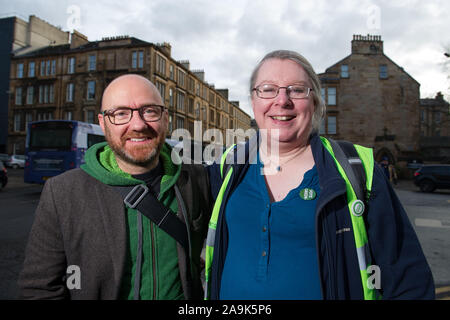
(101, 122)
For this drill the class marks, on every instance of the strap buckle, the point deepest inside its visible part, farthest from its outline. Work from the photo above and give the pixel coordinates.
(136, 195)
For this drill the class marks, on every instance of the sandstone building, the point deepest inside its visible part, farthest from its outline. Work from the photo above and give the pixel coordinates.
(67, 81)
(372, 101)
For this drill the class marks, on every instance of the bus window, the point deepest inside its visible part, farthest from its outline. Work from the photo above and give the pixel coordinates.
(93, 139)
(55, 137)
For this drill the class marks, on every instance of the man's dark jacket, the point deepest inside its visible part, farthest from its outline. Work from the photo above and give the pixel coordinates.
(405, 273)
(81, 221)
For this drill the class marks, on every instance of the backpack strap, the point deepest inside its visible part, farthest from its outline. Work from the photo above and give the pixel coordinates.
(347, 156)
(141, 198)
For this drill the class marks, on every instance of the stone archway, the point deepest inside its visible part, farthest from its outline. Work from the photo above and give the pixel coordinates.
(385, 152)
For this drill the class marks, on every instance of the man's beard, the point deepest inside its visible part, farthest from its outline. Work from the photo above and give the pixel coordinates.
(141, 156)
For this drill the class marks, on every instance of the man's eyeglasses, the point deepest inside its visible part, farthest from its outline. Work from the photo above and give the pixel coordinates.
(270, 91)
(123, 115)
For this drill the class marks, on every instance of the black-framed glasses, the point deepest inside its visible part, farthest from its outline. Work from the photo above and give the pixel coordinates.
(270, 91)
(123, 115)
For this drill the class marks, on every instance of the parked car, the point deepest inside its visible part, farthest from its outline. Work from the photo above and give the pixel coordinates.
(16, 161)
(3, 175)
(4, 157)
(414, 164)
(432, 176)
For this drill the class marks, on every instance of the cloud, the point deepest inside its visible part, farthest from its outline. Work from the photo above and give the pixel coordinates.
(227, 38)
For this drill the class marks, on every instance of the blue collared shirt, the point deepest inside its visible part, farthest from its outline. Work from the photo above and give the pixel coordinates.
(272, 246)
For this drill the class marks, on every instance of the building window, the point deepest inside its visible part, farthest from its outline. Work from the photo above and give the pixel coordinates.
(90, 90)
(41, 94)
(134, 59)
(383, 71)
(92, 62)
(422, 115)
(68, 115)
(331, 101)
(170, 124)
(344, 71)
(31, 69)
(180, 101)
(180, 123)
(69, 92)
(191, 85)
(137, 59)
(19, 96)
(17, 121)
(90, 115)
(162, 90)
(141, 59)
(197, 110)
(322, 127)
(211, 116)
(181, 75)
(53, 67)
(331, 124)
(191, 106)
(322, 93)
(171, 97)
(160, 65)
(48, 68)
(71, 65)
(437, 117)
(28, 118)
(45, 116)
(30, 95)
(20, 70)
(51, 94)
(46, 94)
(42, 68)
(171, 72)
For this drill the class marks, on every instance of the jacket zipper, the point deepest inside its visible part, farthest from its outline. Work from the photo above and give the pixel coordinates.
(331, 272)
(152, 236)
(332, 289)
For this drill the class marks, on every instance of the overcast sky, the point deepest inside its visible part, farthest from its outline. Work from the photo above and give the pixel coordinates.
(226, 38)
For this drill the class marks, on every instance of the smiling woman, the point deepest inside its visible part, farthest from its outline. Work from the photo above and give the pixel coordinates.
(276, 228)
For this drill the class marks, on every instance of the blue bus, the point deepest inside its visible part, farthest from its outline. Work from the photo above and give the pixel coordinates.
(55, 146)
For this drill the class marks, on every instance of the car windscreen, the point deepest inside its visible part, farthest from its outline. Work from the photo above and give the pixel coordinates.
(51, 136)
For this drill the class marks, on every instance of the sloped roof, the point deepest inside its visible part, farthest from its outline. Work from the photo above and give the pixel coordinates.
(89, 46)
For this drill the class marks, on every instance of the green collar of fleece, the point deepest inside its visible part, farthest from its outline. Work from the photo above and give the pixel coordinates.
(102, 165)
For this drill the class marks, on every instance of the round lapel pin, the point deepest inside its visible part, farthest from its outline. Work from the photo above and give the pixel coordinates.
(307, 194)
(357, 208)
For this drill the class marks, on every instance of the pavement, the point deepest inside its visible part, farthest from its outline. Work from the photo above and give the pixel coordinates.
(407, 185)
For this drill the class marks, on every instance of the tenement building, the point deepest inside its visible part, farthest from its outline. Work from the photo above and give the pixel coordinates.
(67, 81)
(18, 36)
(372, 101)
(435, 129)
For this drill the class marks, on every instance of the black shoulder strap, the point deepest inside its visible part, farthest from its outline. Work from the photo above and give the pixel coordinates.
(347, 156)
(140, 198)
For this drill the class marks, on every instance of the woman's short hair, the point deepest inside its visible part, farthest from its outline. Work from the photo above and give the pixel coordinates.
(319, 103)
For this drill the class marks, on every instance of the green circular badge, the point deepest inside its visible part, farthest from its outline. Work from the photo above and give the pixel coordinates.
(307, 194)
(357, 208)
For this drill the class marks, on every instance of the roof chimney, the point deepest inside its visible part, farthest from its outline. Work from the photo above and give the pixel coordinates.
(370, 44)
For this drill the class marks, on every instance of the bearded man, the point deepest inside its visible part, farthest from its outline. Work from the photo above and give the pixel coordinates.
(91, 240)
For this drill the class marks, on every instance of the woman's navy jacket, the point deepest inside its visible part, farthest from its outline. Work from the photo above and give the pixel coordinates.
(395, 249)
